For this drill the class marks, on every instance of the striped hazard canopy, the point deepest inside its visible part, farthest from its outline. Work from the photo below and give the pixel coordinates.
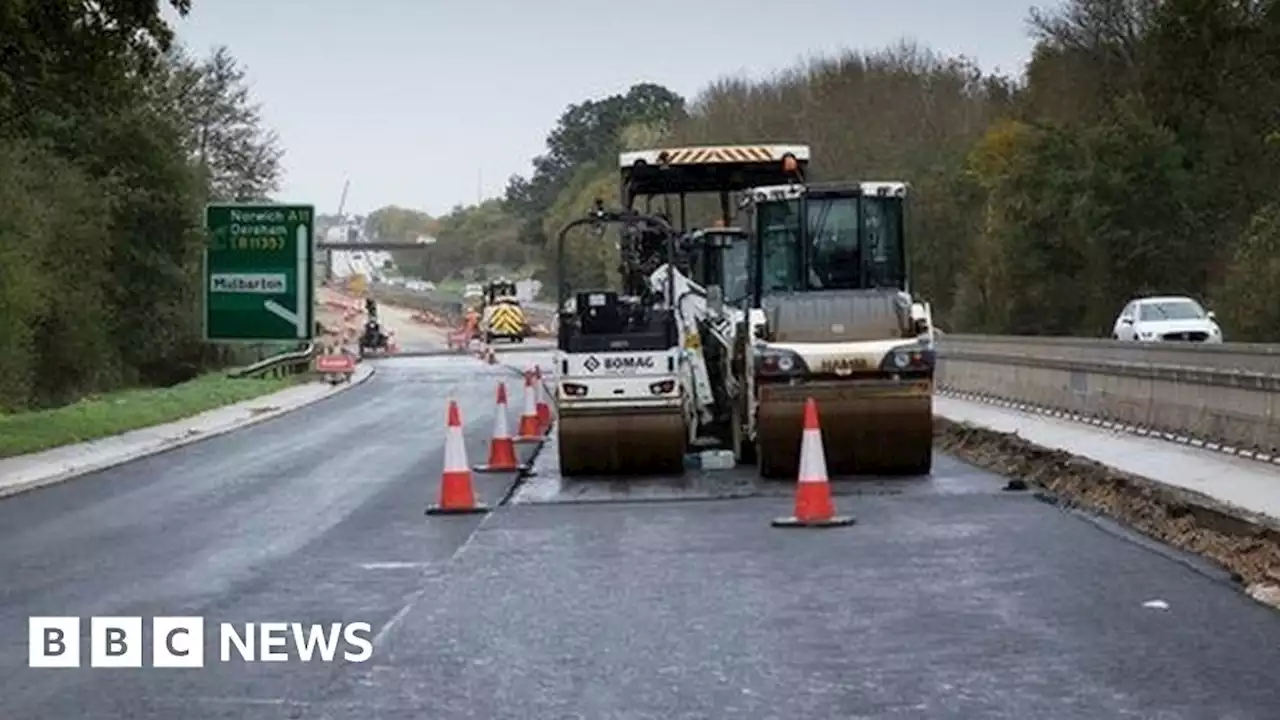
(710, 168)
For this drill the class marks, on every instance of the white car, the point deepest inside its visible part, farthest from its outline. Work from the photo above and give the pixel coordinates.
(1166, 319)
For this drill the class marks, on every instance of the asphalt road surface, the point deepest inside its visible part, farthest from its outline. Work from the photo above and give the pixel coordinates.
(668, 598)
(316, 516)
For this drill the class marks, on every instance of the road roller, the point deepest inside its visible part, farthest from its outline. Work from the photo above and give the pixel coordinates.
(502, 317)
(831, 318)
(622, 404)
(709, 277)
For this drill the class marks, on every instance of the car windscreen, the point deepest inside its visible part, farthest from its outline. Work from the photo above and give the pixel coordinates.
(1171, 310)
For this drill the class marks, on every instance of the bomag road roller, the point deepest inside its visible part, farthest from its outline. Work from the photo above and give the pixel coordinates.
(830, 317)
(621, 400)
(502, 317)
(709, 279)
(636, 388)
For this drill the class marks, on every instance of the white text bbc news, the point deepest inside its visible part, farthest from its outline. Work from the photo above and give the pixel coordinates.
(179, 642)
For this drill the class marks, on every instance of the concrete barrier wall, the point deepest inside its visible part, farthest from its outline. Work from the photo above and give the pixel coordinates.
(1225, 394)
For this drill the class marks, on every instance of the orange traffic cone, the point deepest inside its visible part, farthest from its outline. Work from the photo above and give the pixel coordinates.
(530, 429)
(456, 494)
(814, 507)
(502, 449)
(544, 409)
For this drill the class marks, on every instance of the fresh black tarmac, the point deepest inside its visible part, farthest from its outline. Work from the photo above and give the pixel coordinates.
(950, 598)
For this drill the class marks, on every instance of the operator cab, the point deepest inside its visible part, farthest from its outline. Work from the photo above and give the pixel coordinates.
(819, 238)
(713, 256)
(830, 244)
(718, 257)
(503, 290)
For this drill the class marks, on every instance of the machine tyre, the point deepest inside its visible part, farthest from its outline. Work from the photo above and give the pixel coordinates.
(621, 445)
(917, 458)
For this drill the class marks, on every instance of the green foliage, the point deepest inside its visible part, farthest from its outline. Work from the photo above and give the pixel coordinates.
(1137, 155)
(112, 141)
(117, 412)
(1251, 283)
(397, 224)
(471, 241)
(590, 131)
(591, 260)
(1096, 208)
(53, 325)
(238, 157)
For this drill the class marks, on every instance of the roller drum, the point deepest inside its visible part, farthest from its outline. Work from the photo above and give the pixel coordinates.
(880, 429)
(622, 444)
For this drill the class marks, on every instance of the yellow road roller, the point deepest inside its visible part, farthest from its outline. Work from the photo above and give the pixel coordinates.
(503, 317)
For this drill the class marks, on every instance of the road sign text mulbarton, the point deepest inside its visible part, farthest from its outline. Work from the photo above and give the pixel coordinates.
(268, 284)
(259, 272)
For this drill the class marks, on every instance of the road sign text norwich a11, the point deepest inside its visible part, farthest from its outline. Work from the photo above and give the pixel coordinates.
(258, 273)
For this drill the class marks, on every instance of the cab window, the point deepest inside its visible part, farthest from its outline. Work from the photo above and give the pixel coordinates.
(882, 232)
(733, 270)
(779, 224)
(834, 257)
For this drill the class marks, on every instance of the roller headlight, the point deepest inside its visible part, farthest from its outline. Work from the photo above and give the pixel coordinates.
(778, 363)
(910, 358)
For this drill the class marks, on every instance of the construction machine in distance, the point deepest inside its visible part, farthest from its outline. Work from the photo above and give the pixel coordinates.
(502, 317)
(809, 300)
(373, 340)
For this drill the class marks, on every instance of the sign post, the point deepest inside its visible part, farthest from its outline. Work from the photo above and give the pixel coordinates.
(259, 270)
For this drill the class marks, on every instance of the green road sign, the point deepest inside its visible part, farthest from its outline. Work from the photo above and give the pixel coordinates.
(258, 273)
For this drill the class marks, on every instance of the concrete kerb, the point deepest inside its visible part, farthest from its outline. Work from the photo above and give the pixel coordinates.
(362, 374)
(1235, 538)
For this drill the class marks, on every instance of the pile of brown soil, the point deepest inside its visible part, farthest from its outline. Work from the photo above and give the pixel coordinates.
(1246, 543)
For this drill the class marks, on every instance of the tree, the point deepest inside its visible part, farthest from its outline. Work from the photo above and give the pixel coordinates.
(586, 132)
(1138, 154)
(1251, 282)
(65, 59)
(110, 143)
(225, 133)
(397, 224)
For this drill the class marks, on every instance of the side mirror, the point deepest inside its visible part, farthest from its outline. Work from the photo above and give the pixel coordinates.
(1211, 315)
(715, 299)
(1126, 321)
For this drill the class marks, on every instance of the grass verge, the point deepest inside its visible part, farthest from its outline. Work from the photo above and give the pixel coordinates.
(118, 412)
(1246, 543)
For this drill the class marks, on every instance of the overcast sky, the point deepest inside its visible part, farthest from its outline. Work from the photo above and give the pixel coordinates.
(429, 103)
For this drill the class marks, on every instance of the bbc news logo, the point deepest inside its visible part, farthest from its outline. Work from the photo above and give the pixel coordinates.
(178, 642)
